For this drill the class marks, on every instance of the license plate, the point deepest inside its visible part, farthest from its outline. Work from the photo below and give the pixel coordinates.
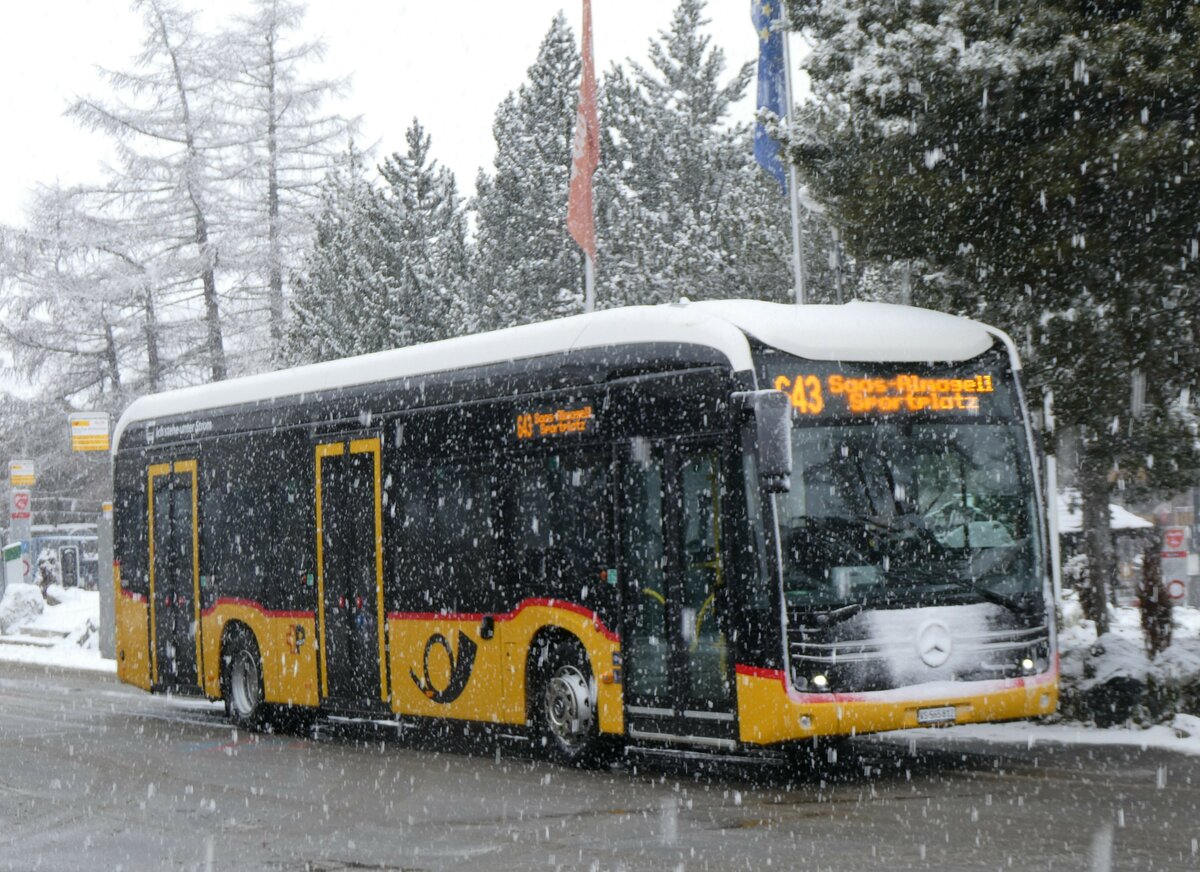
(943, 715)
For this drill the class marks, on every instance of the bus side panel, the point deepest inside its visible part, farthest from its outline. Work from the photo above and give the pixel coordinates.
(602, 645)
(768, 712)
(257, 563)
(441, 667)
(132, 635)
(285, 644)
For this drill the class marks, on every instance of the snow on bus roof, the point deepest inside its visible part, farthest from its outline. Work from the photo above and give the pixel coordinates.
(854, 331)
(871, 332)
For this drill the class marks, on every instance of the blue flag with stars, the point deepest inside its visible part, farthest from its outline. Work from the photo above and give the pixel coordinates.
(772, 86)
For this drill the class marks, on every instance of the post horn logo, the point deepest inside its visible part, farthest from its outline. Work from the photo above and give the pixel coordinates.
(460, 668)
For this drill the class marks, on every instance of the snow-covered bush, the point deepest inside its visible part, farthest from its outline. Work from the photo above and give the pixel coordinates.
(1111, 680)
(48, 570)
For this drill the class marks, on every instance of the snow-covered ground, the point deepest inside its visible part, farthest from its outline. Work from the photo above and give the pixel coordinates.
(64, 635)
(1181, 734)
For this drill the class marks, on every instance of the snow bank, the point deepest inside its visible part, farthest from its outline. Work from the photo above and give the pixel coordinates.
(21, 603)
(63, 634)
(1180, 734)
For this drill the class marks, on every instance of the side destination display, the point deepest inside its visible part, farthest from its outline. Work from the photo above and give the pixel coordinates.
(560, 422)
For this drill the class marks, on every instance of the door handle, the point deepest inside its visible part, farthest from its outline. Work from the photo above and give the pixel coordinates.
(487, 627)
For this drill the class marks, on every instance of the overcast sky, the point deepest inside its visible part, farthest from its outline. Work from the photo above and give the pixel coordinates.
(448, 64)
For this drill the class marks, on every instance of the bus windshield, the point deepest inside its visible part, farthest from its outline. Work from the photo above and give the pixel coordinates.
(914, 491)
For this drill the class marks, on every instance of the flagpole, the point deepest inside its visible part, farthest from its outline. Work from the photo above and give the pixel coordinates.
(585, 156)
(589, 284)
(794, 185)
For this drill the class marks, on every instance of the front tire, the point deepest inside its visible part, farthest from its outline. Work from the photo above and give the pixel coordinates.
(565, 704)
(241, 682)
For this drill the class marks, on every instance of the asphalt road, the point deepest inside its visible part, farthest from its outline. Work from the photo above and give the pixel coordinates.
(97, 775)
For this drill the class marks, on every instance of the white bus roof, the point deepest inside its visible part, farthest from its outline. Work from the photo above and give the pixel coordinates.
(854, 331)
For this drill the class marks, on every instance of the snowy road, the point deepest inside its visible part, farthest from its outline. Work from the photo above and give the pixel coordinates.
(96, 774)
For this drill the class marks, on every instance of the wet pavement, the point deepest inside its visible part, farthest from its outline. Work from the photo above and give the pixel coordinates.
(96, 774)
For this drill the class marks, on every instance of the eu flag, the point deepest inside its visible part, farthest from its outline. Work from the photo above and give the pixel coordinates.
(772, 87)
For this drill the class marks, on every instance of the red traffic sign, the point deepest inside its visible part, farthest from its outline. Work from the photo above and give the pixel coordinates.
(20, 505)
(1174, 537)
(1176, 588)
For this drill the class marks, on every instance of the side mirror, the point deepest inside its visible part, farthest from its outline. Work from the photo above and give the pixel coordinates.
(772, 411)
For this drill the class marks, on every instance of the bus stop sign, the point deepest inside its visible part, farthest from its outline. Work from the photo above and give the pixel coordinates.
(1175, 563)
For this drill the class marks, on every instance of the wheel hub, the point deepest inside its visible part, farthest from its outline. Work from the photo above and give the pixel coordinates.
(245, 684)
(570, 710)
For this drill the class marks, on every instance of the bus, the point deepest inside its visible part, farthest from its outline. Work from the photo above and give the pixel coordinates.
(730, 526)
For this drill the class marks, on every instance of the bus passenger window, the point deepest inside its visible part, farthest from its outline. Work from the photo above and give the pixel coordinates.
(450, 534)
(560, 527)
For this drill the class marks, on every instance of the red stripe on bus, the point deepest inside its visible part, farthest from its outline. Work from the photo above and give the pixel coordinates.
(270, 613)
(508, 616)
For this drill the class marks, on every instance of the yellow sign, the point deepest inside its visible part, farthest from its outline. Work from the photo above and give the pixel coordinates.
(556, 423)
(900, 394)
(89, 432)
(21, 473)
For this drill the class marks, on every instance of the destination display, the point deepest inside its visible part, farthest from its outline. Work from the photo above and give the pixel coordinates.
(819, 389)
(559, 422)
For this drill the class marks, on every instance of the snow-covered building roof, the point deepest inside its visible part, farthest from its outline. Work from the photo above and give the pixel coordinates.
(1070, 514)
(854, 331)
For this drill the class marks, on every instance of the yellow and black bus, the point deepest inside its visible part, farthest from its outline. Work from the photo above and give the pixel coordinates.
(725, 526)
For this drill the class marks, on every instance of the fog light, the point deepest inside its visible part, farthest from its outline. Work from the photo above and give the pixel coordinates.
(805, 722)
(820, 681)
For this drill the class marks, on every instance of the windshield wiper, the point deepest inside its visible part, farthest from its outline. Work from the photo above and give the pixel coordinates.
(838, 615)
(1023, 604)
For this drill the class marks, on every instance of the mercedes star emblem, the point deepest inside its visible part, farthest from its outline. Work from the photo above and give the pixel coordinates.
(934, 643)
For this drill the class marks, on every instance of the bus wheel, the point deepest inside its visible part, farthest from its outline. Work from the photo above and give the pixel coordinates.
(566, 704)
(242, 688)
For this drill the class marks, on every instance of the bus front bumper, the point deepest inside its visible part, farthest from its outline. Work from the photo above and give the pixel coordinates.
(771, 711)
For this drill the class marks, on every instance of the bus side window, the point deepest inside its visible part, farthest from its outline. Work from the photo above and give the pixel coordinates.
(560, 530)
(449, 538)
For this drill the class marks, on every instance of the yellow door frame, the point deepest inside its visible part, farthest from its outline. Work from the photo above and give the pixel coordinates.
(374, 446)
(157, 470)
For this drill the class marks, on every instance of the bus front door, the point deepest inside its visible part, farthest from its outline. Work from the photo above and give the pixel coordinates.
(351, 628)
(174, 576)
(677, 670)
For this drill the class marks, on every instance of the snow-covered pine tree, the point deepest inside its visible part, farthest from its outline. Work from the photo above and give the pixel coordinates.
(526, 265)
(163, 116)
(1039, 158)
(388, 266)
(427, 256)
(341, 302)
(284, 139)
(683, 208)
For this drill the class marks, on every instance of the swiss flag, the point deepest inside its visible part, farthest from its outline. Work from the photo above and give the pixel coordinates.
(585, 149)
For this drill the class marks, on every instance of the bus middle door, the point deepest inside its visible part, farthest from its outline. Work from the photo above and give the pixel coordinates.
(350, 628)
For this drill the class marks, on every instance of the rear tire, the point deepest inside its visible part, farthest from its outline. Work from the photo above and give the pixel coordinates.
(241, 682)
(564, 704)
